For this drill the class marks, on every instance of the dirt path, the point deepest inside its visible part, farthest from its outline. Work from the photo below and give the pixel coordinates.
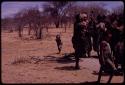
(41, 63)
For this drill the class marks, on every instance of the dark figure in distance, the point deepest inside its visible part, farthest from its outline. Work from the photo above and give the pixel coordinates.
(59, 42)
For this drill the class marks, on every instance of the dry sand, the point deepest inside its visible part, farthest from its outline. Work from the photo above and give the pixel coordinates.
(42, 64)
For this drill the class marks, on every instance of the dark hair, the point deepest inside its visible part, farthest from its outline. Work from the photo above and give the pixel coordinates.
(77, 18)
(101, 18)
(57, 36)
(106, 36)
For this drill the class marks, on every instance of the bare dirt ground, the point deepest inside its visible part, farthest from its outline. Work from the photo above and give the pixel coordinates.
(37, 61)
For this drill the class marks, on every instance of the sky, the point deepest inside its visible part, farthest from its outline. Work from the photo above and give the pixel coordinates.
(8, 9)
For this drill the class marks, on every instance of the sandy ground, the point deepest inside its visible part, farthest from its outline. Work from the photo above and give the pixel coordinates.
(40, 63)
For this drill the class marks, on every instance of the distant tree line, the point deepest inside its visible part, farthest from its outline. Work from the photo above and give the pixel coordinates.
(55, 13)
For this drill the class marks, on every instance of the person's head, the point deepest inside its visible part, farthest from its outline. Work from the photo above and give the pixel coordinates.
(98, 17)
(77, 18)
(92, 12)
(120, 20)
(107, 36)
(103, 44)
(58, 35)
(91, 18)
(101, 18)
(81, 17)
(113, 17)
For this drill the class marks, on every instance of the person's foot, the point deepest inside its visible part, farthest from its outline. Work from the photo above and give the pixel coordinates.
(77, 67)
(59, 52)
(84, 56)
(88, 54)
(97, 82)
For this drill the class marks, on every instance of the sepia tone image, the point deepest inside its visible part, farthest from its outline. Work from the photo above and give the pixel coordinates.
(62, 42)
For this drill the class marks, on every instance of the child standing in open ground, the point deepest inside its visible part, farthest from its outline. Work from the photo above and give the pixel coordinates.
(59, 42)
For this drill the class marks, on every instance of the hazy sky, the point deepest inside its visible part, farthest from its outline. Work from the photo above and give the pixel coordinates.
(10, 8)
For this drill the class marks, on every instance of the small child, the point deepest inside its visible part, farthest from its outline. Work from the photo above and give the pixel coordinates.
(59, 42)
(106, 59)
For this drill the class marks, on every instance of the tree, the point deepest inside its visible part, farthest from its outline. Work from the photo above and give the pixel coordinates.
(56, 10)
(94, 9)
(31, 16)
(35, 22)
(20, 21)
(7, 23)
(119, 10)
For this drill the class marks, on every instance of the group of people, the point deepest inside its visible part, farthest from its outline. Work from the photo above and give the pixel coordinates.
(105, 35)
(108, 40)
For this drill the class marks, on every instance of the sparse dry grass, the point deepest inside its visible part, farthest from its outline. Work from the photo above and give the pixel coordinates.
(19, 60)
(26, 61)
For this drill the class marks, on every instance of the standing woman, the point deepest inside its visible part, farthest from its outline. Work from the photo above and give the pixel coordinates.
(79, 39)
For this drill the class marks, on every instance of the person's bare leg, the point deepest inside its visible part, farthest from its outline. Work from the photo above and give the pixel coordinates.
(89, 53)
(123, 76)
(77, 62)
(110, 78)
(99, 76)
(59, 49)
(123, 70)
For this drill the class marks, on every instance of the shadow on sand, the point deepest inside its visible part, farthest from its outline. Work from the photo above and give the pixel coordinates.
(63, 59)
(68, 68)
(107, 74)
(91, 82)
(66, 58)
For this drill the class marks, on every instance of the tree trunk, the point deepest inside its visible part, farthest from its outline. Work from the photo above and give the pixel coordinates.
(29, 31)
(19, 31)
(65, 27)
(35, 31)
(40, 33)
(61, 23)
(11, 30)
(57, 24)
(69, 25)
(47, 29)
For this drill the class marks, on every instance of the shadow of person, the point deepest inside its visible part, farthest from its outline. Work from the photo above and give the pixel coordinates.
(106, 73)
(90, 82)
(66, 58)
(68, 68)
(97, 73)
